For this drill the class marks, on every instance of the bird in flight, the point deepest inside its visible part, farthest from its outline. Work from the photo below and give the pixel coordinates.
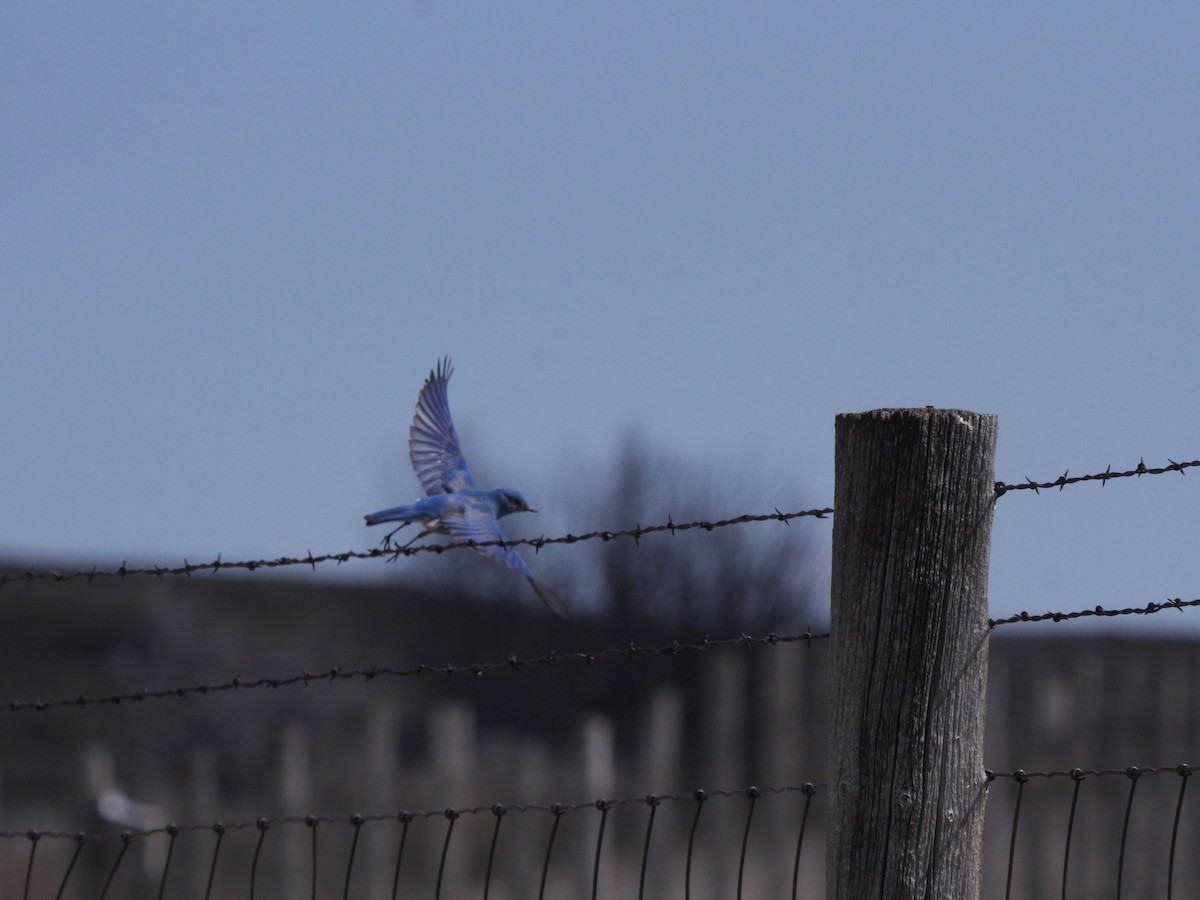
(455, 507)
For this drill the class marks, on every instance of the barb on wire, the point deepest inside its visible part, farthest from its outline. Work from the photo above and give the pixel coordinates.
(340, 673)
(1104, 477)
(1096, 611)
(393, 553)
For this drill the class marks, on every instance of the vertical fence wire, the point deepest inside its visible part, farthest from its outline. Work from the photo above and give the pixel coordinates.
(651, 801)
(603, 806)
(557, 810)
(311, 822)
(1134, 773)
(405, 818)
(219, 831)
(699, 797)
(80, 840)
(752, 793)
(498, 811)
(451, 818)
(33, 842)
(1184, 771)
(1077, 777)
(173, 832)
(126, 840)
(262, 825)
(357, 821)
(1020, 777)
(808, 790)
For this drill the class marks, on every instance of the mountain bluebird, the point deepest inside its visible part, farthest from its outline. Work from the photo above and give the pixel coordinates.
(456, 507)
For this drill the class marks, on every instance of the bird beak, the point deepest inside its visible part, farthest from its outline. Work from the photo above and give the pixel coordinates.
(530, 509)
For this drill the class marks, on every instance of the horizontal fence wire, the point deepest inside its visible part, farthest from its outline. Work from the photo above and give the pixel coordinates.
(511, 663)
(1079, 776)
(1095, 611)
(1104, 477)
(516, 663)
(405, 818)
(1021, 775)
(393, 553)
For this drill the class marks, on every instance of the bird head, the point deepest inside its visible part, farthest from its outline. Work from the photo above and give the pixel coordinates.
(511, 502)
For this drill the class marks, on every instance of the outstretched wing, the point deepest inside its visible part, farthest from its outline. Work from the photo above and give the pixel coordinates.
(479, 526)
(433, 441)
(482, 527)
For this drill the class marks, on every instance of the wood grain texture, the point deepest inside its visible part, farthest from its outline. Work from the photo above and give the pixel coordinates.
(914, 496)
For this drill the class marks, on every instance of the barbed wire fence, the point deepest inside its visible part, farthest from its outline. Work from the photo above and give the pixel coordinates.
(636, 533)
(392, 553)
(41, 876)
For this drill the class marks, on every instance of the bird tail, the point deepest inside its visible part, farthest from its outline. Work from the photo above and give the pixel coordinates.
(551, 599)
(395, 514)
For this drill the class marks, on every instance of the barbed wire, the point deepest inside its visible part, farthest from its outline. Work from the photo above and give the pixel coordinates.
(1103, 477)
(405, 818)
(1095, 611)
(511, 663)
(515, 663)
(392, 553)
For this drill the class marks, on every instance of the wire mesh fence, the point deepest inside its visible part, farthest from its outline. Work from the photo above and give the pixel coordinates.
(1060, 833)
(1081, 830)
(646, 847)
(1063, 832)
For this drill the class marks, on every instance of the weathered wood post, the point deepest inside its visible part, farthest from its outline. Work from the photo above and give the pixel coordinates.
(913, 492)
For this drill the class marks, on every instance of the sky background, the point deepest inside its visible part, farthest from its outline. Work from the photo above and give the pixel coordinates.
(236, 239)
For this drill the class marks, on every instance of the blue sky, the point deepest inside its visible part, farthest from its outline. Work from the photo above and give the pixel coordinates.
(237, 238)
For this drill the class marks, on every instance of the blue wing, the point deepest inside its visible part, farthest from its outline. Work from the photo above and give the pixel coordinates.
(433, 441)
(478, 526)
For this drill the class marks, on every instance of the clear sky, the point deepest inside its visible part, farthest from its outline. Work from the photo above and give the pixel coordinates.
(236, 237)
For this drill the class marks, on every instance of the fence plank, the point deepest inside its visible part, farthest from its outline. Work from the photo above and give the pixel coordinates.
(914, 494)
(598, 747)
(295, 799)
(380, 785)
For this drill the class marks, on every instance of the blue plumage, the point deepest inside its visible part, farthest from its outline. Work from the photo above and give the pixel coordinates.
(456, 507)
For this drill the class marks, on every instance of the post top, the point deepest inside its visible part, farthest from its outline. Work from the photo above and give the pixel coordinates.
(965, 416)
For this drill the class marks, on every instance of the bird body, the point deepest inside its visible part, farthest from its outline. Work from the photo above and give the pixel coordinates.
(463, 503)
(455, 507)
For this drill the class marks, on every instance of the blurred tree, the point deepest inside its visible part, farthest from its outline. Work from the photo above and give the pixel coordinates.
(755, 577)
(751, 577)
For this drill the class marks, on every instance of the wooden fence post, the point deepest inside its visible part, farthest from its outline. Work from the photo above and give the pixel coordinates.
(914, 493)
